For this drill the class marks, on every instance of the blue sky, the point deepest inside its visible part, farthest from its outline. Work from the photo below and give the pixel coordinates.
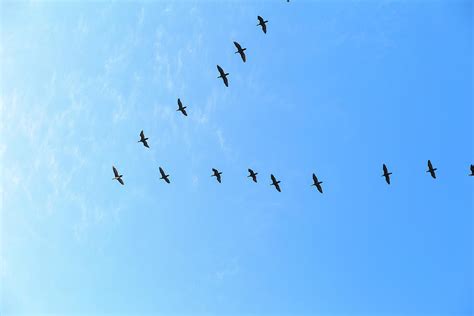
(336, 88)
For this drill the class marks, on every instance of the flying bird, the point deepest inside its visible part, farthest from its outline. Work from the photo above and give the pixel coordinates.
(317, 183)
(472, 171)
(143, 139)
(223, 75)
(216, 174)
(275, 183)
(252, 175)
(261, 23)
(164, 176)
(240, 51)
(181, 108)
(118, 176)
(431, 170)
(386, 174)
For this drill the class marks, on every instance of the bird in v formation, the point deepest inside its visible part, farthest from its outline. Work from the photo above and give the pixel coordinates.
(223, 75)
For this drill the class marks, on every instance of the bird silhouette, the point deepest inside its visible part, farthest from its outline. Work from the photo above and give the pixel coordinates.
(275, 183)
(181, 108)
(252, 175)
(223, 75)
(216, 174)
(118, 176)
(143, 139)
(164, 176)
(386, 174)
(472, 171)
(240, 51)
(261, 23)
(431, 170)
(317, 183)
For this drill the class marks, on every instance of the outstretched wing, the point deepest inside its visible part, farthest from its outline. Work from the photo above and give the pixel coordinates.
(385, 170)
(167, 180)
(218, 176)
(142, 135)
(115, 171)
(121, 181)
(184, 112)
(221, 71)
(239, 48)
(180, 105)
(472, 169)
(273, 178)
(277, 186)
(260, 19)
(430, 166)
(264, 28)
(315, 179)
(242, 54)
(162, 172)
(319, 187)
(145, 143)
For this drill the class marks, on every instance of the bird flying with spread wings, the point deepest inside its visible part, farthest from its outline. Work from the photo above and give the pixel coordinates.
(223, 75)
(252, 175)
(117, 176)
(431, 170)
(262, 23)
(240, 51)
(317, 183)
(164, 176)
(182, 108)
(386, 174)
(143, 139)
(275, 183)
(217, 174)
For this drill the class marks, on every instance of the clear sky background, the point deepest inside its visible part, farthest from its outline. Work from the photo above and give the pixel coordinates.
(335, 87)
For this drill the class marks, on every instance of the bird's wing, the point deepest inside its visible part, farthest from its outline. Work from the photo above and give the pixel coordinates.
(320, 188)
(430, 166)
(226, 82)
(273, 178)
(115, 171)
(277, 186)
(184, 112)
(384, 169)
(218, 176)
(145, 143)
(142, 135)
(167, 180)
(221, 71)
(264, 28)
(214, 171)
(242, 54)
(238, 46)
(250, 171)
(472, 168)
(260, 19)
(315, 179)
(121, 181)
(162, 172)
(180, 105)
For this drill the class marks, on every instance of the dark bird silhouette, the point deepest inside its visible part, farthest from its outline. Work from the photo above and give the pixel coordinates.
(181, 108)
(275, 183)
(317, 183)
(386, 174)
(472, 171)
(143, 139)
(223, 75)
(431, 170)
(261, 23)
(240, 51)
(216, 174)
(164, 176)
(118, 176)
(252, 175)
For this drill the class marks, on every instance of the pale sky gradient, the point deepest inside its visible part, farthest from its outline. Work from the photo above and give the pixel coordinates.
(335, 87)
